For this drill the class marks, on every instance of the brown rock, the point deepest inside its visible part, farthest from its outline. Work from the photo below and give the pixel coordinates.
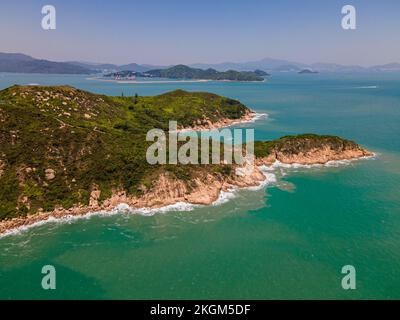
(50, 174)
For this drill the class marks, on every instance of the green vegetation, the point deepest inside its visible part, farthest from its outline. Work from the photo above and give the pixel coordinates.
(296, 144)
(185, 72)
(57, 143)
(87, 139)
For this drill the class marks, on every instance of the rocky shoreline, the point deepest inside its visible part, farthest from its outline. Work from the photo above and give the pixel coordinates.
(168, 191)
(250, 116)
(58, 168)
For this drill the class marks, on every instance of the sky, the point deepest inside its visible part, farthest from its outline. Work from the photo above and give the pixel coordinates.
(165, 32)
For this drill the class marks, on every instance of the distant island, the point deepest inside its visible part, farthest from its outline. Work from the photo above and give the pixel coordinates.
(307, 71)
(126, 75)
(65, 151)
(185, 72)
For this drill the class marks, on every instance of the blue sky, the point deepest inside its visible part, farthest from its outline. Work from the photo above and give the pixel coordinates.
(187, 31)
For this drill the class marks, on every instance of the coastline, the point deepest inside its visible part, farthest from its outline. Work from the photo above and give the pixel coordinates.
(168, 81)
(249, 117)
(205, 196)
(120, 203)
(206, 188)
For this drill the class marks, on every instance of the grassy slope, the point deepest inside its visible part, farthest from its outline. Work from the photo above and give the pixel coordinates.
(90, 139)
(87, 139)
(185, 72)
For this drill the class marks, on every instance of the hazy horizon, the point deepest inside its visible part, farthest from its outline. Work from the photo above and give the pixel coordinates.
(183, 32)
(197, 63)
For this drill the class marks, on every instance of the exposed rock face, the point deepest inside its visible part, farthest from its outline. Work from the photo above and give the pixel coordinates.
(50, 174)
(314, 156)
(312, 150)
(167, 190)
(206, 124)
(70, 161)
(57, 142)
(2, 167)
(204, 190)
(94, 197)
(206, 187)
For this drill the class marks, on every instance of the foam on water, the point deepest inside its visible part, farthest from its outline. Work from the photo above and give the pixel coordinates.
(367, 87)
(257, 116)
(332, 163)
(224, 196)
(120, 209)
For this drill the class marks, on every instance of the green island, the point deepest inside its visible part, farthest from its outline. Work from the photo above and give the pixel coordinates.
(58, 144)
(185, 72)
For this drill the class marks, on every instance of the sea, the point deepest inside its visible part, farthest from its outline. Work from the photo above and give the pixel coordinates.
(290, 239)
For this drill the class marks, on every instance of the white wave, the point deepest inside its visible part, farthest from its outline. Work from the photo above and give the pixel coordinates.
(278, 164)
(178, 206)
(332, 163)
(367, 87)
(258, 116)
(122, 208)
(270, 178)
(224, 196)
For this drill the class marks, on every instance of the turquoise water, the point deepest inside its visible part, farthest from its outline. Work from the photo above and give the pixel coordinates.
(288, 240)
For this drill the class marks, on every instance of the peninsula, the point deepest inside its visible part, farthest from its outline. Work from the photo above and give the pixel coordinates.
(64, 151)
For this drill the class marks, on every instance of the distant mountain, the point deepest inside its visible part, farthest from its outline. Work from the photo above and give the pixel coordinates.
(333, 67)
(278, 65)
(99, 67)
(390, 67)
(288, 68)
(15, 56)
(267, 64)
(261, 73)
(108, 67)
(185, 72)
(18, 62)
(21, 63)
(138, 67)
(307, 71)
